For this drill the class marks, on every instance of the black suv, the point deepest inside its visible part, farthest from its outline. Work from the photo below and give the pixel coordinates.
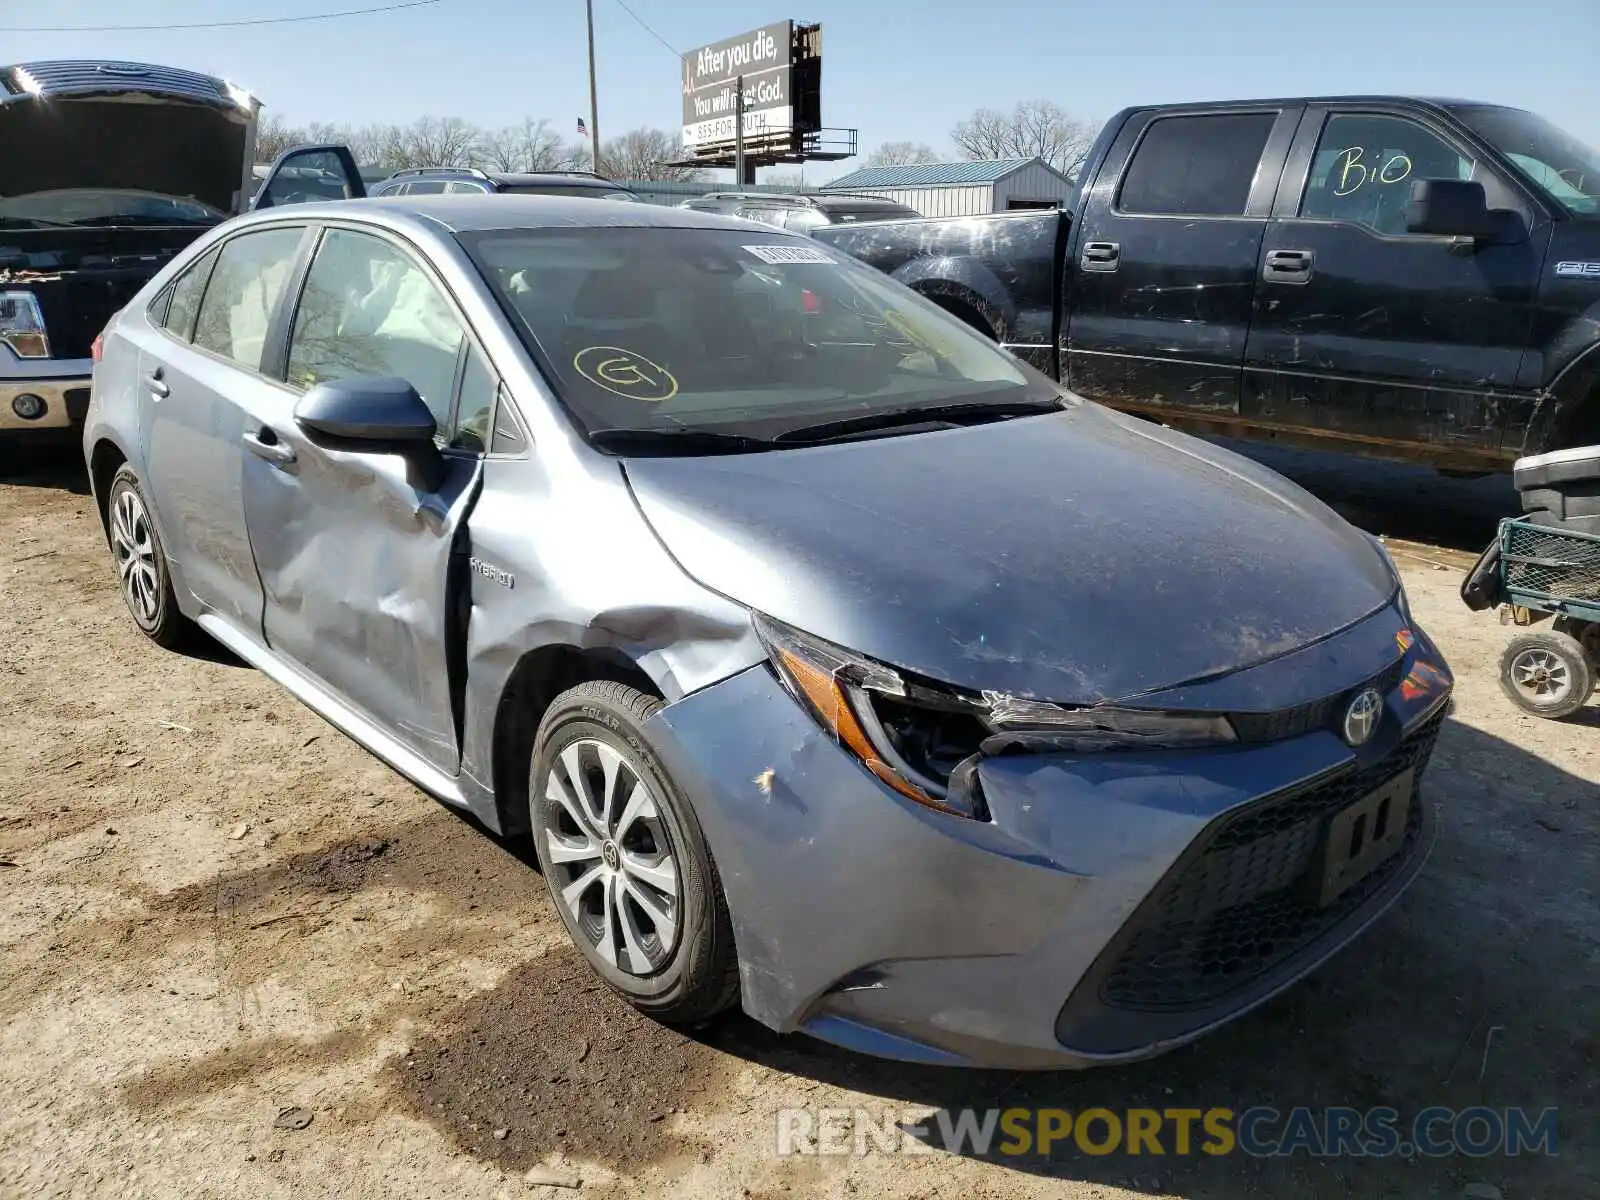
(801, 213)
(417, 181)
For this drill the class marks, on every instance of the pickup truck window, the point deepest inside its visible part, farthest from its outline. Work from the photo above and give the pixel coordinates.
(1559, 166)
(1199, 166)
(1365, 165)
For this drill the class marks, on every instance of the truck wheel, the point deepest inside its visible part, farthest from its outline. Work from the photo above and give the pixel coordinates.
(625, 860)
(1547, 674)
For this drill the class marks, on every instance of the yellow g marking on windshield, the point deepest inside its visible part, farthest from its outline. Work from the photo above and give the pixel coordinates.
(624, 373)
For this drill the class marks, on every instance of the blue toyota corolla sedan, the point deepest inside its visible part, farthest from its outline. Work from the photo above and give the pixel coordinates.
(838, 664)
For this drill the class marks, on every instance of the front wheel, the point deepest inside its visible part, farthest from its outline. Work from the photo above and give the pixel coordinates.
(625, 859)
(1547, 674)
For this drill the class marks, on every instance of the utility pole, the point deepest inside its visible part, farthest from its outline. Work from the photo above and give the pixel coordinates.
(738, 134)
(594, 101)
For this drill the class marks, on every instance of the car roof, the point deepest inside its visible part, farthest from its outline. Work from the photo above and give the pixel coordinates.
(568, 179)
(467, 214)
(1266, 101)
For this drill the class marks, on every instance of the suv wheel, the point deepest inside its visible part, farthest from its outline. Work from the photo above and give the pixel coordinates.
(625, 860)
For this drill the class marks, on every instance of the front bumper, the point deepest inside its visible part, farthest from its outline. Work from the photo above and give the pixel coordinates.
(63, 386)
(1115, 906)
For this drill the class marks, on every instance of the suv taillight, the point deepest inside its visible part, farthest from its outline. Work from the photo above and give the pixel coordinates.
(97, 347)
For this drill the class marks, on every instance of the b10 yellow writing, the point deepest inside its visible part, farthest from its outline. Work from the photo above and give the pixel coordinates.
(1354, 173)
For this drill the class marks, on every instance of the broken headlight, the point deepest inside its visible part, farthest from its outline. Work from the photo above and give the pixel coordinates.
(22, 325)
(925, 741)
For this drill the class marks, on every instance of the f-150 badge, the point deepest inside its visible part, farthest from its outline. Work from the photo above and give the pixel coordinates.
(1587, 270)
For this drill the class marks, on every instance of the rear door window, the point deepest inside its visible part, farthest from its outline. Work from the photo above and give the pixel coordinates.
(243, 292)
(1200, 166)
(430, 187)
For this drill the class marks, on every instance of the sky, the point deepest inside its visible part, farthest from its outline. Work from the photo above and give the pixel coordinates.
(897, 70)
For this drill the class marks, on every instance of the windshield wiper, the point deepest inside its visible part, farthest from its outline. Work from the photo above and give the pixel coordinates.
(965, 412)
(125, 221)
(33, 223)
(676, 441)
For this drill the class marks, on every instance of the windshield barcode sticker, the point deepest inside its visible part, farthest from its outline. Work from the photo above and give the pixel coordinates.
(789, 254)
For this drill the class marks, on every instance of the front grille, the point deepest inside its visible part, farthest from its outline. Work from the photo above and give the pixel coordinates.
(1315, 714)
(65, 77)
(76, 308)
(1247, 901)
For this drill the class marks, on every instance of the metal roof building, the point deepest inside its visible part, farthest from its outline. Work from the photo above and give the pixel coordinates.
(963, 189)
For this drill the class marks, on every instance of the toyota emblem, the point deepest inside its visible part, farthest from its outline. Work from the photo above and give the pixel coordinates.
(1361, 718)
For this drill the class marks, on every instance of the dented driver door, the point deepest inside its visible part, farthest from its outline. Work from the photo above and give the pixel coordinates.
(361, 552)
(361, 584)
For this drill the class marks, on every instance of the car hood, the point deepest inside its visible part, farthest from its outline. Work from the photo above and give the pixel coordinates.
(1079, 556)
(135, 143)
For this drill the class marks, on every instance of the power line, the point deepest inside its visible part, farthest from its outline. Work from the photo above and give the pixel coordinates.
(327, 16)
(621, 4)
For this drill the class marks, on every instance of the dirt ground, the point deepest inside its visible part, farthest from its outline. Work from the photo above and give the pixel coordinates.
(214, 908)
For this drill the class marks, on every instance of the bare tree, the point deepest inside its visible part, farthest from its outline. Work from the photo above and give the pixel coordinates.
(901, 154)
(1034, 128)
(443, 142)
(274, 135)
(530, 146)
(788, 179)
(645, 154)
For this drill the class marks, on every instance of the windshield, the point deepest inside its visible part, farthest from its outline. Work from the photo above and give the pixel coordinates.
(558, 189)
(735, 331)
(105, 206)
(1557, 164)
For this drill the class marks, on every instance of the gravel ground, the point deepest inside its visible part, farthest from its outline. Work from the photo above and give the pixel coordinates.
(220, 919)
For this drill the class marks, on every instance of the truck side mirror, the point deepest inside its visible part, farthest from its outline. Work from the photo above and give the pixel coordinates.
(1452, 208)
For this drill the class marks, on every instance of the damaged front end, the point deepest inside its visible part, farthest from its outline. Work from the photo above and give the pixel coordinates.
(926, 740)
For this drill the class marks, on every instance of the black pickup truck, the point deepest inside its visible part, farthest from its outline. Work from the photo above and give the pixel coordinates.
(1402, 278)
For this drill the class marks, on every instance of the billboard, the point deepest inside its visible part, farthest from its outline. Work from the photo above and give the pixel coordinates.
(765, 58)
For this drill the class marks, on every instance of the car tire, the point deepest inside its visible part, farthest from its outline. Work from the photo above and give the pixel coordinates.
(1547, 673)
(141, 562)
(625, 859)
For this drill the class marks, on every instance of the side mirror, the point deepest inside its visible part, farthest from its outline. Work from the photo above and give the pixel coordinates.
(1452, 208)
(373, 414)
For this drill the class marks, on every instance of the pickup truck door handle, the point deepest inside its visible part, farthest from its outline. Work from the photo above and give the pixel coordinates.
(1100, 256)
(265, 444)
(1288, 266)
(157, 386)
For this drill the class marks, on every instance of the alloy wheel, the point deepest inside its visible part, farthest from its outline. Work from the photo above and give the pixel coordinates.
(614, 865)
(134, 549)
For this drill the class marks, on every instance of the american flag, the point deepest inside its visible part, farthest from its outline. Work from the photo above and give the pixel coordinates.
(583, 130)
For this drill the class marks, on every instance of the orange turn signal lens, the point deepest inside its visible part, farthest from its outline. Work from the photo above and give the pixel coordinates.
(833, 709)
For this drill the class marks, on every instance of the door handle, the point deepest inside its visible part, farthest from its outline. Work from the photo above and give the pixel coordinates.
(266, 445)
(157, 386)
(1289, 266)
(1100, 256)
